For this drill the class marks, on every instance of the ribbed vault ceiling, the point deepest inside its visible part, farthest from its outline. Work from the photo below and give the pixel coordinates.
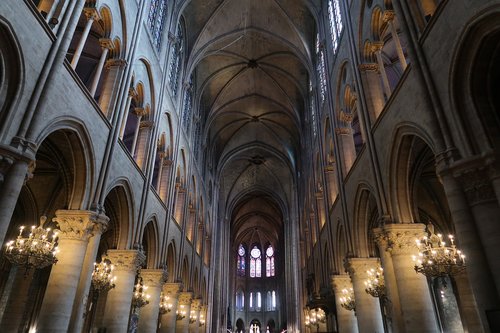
(252, 60)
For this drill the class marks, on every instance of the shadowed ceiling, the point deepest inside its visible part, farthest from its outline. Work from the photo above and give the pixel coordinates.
(252, 60)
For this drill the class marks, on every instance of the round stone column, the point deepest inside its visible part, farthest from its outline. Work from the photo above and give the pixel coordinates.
(346, 319)
(76, 228)
(184, 308)
(168, 320)
(119, 300)
(368, 310)
(148, 317)
(414, 296)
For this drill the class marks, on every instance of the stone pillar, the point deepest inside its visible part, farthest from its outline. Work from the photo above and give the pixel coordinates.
(140, 112)
(190, 225)
(391, 286)
(113, 68)
(346, 320)
(168, 320)
(195, 316)
(414, 296)
(76, 228)
(375, 95)
(164, 179)
(131, 94)
(179, 204)
(106, 45)
(184, 309)
(148, 319)
(468, 240)
(142, 143)
(331, 183)
(377, 49)
(119, 300)
(368, 310)
(13, 174)
(389, 18)
(92, 14)
(14, 299)
(77, 315)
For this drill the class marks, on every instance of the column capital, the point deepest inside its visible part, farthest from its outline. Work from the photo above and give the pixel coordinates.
(106, 43)
(167, 161)
(139, 111)
(91, 13)
(358, 267)
(196, 304)
(146, 124)
(368, 67)
(346, 117)
(80, 224)
(126, 260)
(185, 298)
(399, 238)
(377, 46)
(388, 16)
(172, 289)
(340, 282)
(154, 277)
(120, 63)
(476, 184)
(343, 131)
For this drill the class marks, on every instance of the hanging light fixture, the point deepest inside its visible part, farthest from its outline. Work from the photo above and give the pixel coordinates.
(202, 320)
(192, 317)
(140, 298)
(436, 258)
(375, 283)
(181, 313)
(165, 304)
(102, 276)
(36, 250)
(347, 299)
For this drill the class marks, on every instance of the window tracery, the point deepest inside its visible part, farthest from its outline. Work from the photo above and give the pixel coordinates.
(335, 22)
(156, 20)
(175, 62)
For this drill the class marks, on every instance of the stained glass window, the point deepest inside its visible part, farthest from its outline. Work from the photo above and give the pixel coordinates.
(241, 260)
(255, 262)
(270, 261)
(335, 20)
(175, 62)
(188, 105)
(321, 68)
(156, 20)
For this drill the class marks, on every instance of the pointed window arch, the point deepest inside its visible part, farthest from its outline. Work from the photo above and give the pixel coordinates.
(241, 260)
(255, 262)
(156, 20)
(270, 261)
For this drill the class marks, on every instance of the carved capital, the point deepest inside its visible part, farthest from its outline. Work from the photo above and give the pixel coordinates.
(172, 289)
(91, 13)
(126, 260)
(388, 16)
(477, 185)
(140, 112)
(167, 162)
(340, 282)
(185, 298)
(343, 131)
(154, 278)
(146, 124)
(120, 63)
(106, 43)
(77, 224)
(196, 304)
(368, 67)
(30, 172)
(346, 117)
(400, 238)
(377, 46)
(358, 267)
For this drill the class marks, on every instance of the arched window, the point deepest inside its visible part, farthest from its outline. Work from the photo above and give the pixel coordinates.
(241, 261)
(240, 300)
(156, 20)
(273, 300)
(335, 20)
(321, 68)
(255, 262)
(175, 62)
(270, 261)
(251, 301)
(258, 303)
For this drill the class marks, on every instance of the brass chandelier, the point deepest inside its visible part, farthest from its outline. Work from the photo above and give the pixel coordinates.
(375, 283)
(436, 258)
(140, 298)
(36, 250)
(347, 299)
(102, 276)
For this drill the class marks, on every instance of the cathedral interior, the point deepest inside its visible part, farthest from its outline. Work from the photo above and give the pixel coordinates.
(257, 166)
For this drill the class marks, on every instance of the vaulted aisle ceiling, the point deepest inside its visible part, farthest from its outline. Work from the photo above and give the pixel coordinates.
(252, 60)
